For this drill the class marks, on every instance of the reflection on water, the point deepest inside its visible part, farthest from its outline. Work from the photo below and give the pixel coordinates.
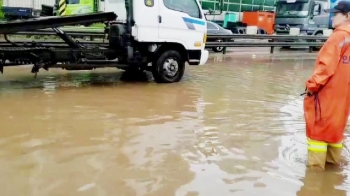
(319, 183)
(233, 127)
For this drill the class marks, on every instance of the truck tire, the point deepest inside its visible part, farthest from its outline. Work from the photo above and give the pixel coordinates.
(169, 67)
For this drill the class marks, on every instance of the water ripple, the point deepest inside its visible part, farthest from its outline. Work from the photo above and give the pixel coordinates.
(233, 127)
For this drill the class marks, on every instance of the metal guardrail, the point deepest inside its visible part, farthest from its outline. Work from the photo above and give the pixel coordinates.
(53, 33)
(273, 41)
(264, 36)
(234, 40)
(91, 33)
(50, 43)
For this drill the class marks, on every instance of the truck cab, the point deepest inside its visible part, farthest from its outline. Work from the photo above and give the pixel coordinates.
(308, 15)
(159, 36)
(163, 33)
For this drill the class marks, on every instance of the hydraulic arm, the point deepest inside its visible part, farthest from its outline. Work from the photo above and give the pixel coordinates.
(70, 55)
(54, 22)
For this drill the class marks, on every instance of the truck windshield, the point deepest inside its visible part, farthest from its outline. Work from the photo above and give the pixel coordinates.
(187, 6)
(292, 9)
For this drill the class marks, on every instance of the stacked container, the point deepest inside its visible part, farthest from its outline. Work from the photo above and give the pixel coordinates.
(35, 4)
(263, 20)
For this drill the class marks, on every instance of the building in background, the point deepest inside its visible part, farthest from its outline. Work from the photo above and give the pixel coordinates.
(237, 6)
(232, 6)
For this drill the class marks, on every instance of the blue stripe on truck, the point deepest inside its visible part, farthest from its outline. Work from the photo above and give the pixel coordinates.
(194, 21)
(190, 22)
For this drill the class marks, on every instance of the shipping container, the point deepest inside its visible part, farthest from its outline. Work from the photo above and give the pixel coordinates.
(263, 20)
(35, 4)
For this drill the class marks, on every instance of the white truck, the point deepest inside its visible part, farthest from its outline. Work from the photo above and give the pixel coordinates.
(157, 35)
(174, 31)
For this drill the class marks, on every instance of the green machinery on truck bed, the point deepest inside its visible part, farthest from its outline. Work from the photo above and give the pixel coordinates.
(82, 6)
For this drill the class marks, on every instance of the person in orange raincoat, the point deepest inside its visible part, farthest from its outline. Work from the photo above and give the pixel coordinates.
(327, 100)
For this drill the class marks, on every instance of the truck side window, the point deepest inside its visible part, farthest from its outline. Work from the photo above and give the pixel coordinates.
(187, 6)
(317, 10)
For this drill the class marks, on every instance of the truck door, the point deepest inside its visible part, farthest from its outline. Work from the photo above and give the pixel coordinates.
(181, 21)
(319, 18)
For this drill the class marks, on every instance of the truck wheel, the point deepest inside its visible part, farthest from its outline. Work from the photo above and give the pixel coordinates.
(218, 49)
(169, 67)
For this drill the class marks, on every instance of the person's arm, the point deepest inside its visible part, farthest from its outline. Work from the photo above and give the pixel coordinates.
(327, 63)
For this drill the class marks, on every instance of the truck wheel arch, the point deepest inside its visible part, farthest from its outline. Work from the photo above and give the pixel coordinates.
(318, 32)
(170, 46)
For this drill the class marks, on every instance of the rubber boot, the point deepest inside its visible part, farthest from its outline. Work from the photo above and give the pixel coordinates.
(334, 155)
(317, 154)
(316, 159)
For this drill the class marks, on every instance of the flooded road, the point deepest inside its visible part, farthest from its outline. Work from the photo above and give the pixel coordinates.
(232, 127)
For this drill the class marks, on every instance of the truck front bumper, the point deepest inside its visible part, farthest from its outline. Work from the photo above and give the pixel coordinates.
(204, 57)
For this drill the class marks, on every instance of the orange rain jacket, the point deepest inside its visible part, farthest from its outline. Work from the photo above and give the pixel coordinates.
(327, 110)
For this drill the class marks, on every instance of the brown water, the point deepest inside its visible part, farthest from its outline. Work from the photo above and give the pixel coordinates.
(232, 127)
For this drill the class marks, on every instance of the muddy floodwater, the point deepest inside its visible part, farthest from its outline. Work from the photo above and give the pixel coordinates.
(233, 127)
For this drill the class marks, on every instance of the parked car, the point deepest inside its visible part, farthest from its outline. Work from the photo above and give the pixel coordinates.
(215, 29)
